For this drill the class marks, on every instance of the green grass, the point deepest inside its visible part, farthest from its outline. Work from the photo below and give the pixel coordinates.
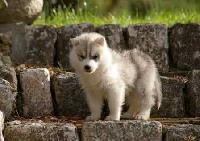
(168, 17)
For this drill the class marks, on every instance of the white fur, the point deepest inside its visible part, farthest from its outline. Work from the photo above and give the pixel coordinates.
(113, 76)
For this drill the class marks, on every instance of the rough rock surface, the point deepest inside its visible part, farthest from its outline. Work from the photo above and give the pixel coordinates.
(1, 125)
(173, 103)
(151, 39)
(36, 45)
(6, 98)
(193, 96)
(21, 11)
(184, 132)
(8, 86)
(184, 44)
(8, 73)
(6, 38)
(4, 45)
(40, 131)
(4, 60)
(114, 36)
(70, 99)
(36, 95)
(134, 130)
(64, 44)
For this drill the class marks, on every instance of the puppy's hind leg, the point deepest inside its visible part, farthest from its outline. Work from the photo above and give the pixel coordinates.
(146, 101)
(132, 100)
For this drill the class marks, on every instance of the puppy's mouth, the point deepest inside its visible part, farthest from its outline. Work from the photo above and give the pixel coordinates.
(88, 71)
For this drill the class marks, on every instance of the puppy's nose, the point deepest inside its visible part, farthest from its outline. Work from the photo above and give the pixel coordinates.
(87, 68)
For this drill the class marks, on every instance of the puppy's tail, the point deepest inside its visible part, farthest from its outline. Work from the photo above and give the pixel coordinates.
(158, 89)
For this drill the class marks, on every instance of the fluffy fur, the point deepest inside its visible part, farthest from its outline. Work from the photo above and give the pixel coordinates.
(107, 74)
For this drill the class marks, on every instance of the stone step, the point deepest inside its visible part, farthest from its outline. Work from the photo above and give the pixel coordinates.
(55, 129)
(176, 47)
(122, 130)
(40, 131)
(42, 94)
(175, 97)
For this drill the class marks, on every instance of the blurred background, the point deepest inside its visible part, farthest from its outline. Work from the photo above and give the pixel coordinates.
(133, 7)
(140, 7)
(111, 11)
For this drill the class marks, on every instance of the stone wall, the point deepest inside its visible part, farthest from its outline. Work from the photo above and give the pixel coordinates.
(34, 81)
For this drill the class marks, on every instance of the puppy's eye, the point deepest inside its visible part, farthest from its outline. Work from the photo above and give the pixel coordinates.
(81, 57)
(95, 57)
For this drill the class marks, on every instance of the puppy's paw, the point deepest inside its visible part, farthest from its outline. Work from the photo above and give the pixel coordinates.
(127, 115)
(111, 118)
(90, 118)
(142, 117)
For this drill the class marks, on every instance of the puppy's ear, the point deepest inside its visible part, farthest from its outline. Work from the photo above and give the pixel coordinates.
(100, 41)
(75, 41)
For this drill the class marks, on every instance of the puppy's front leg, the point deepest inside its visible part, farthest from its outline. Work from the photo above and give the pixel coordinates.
(116, 96)
(95, 103)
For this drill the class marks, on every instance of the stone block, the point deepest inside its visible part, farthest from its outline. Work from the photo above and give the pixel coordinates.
(64, 44)
(6, 98)
(8, 86)
(132, 130)
(182, 132)
(193, 93)
(151, 39)
(40, 131)
(114, 36)
(1, 126)
(173, 103)
(8, 73)
(33, 45)
(5, 60)
(69, 97)
(6, 38)
(184, 46)
(20, 10)
(36, 96)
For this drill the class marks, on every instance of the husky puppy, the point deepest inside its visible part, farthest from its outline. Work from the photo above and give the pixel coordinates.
(107, 74)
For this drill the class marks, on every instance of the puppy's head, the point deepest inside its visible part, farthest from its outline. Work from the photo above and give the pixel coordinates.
(88, 49)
